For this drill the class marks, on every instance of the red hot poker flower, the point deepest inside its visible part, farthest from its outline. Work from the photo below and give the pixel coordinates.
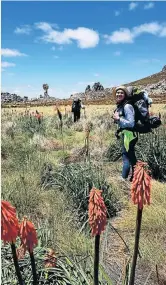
(28, 235)
(97, 212)
(9, 222)
(141, 185)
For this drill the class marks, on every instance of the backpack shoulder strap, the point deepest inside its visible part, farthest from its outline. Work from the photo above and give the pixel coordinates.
(125, 103)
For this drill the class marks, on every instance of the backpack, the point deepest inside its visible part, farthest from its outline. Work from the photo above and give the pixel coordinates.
(144, 123)
(76, 106)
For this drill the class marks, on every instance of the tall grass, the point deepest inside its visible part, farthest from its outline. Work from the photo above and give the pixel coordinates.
(76, 180)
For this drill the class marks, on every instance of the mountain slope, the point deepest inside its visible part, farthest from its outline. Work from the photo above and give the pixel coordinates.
(152, 79)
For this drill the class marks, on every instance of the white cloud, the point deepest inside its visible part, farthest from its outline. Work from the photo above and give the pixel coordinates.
(117, 53)
(45, 27)
(125, 35)
(132, 6)
(149, 6)
(25, 29)
(11, 52)
(85, 38)
(151, 28)
(117, 13)
(5, 64)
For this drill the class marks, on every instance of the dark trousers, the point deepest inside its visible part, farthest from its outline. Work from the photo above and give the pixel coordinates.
(77, 116)
(129, 159)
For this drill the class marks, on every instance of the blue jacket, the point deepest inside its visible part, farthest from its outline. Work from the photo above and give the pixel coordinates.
(127, 116)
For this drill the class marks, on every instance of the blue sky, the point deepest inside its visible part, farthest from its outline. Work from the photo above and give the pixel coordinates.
(71, 44)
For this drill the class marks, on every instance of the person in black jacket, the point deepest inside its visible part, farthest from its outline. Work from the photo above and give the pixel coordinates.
(76, 109)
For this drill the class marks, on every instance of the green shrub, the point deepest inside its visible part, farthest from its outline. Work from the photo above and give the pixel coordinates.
(68, 271)
(77, 180)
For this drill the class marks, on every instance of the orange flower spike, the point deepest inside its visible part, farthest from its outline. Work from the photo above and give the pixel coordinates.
(141, 185)
(97, 212)
(28, 235)
(9, 222)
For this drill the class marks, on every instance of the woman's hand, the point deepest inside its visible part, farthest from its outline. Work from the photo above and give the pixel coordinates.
(116, 116)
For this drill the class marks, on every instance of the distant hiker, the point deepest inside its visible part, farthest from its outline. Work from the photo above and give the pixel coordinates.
(124, 116)
(76, 109)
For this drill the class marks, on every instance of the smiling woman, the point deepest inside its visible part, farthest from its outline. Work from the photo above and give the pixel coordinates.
(124, 116)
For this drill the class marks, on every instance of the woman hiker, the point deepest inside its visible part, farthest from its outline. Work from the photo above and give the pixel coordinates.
(124, 116)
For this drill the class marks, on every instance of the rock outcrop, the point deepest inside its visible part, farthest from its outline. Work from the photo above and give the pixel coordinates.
(94, 95)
